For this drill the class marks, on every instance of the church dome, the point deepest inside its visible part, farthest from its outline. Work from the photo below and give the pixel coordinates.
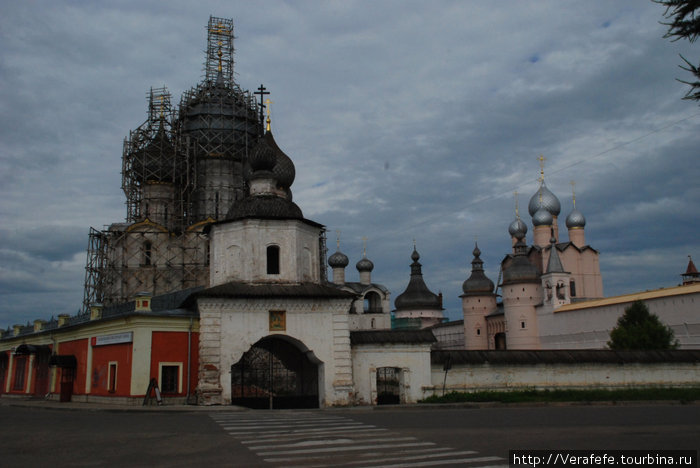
(575, 220)
(338, 260)
(262, 157)
(542, 217)
(152, 161)
(517, 228)
(478, 283)
(548, 200)
(364, 265)
(264, 206)
(417, 295)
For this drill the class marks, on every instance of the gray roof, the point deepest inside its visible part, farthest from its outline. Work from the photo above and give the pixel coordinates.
(417, 295)
(563, 356)
(391, 336)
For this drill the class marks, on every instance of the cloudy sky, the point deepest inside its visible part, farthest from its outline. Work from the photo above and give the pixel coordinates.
(406, 120)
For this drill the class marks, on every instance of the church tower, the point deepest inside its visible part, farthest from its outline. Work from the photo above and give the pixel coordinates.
(478, 301)
(522, 292)
(417, 302)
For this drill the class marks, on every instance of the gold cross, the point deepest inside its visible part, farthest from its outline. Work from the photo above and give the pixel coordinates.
(267, 106)
(364, 247)
(542, 159)
(573, 191)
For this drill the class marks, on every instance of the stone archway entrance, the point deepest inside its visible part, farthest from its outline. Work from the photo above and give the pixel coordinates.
(275, 374)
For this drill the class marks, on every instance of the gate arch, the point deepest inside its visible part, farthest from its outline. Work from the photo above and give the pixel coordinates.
(277, 372)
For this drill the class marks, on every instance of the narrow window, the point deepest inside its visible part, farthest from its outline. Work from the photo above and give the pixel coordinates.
(572, 288)
(216, 206)
(169, 379)
(273, 260)
(478, 331)
(112, 383)
(522, 324)
(147, 252)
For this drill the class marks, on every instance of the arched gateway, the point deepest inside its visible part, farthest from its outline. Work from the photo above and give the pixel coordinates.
(277, 372)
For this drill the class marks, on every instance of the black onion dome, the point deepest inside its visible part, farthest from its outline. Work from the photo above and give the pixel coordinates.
(284, 170)
(152, 160)
(478, 283)
(365, 264)
(520, 270)
(264, 206)
(262, 157)
(417, 295)
(338, 260)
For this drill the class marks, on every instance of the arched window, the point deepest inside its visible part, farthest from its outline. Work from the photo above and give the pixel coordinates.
(273, 260)
(372, 303)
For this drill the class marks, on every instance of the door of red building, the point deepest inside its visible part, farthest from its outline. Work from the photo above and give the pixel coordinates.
(41, 373)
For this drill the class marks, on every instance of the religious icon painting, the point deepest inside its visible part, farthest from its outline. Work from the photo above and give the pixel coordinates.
(278, 320)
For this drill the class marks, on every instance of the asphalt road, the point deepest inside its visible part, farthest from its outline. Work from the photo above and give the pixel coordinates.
(401, 436)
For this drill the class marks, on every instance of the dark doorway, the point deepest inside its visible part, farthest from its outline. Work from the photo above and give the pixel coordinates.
(275, 374)
(500, 340)
(388, 386)
(41, 365)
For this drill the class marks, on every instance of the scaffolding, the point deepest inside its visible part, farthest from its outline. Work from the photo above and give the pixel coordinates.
(149, 159)
(181, 169)
(219, 49)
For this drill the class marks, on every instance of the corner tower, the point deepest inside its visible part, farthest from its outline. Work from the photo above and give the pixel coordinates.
(478, 301)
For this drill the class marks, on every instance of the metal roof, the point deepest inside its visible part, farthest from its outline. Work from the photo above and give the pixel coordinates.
(640, 296)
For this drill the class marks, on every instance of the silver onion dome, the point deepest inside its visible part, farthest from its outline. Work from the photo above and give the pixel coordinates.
(542, 217)
(549, 201)
(575, 220)
(517, 228)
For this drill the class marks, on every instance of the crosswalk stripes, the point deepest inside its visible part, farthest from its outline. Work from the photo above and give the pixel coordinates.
(308, 439)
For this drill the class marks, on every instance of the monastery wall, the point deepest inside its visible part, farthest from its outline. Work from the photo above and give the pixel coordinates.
(412, 361)
(587, 325)
(514, 375)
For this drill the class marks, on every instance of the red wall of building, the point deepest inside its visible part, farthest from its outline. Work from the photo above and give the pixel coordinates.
(172, 347)
(79, 349)
(101, 357)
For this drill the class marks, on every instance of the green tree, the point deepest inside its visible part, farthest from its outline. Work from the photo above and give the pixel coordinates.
(640, 329)
(684, 16)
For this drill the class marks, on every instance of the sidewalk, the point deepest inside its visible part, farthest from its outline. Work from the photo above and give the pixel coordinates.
(93, 406)
(82, 406)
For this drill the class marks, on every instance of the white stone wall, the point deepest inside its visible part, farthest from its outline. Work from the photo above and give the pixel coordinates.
(412, 359)
(230, 327)
(590, 328)
(239, 251)
(477, 377)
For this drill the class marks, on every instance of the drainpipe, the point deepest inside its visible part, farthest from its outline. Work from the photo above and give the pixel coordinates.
(189, 360)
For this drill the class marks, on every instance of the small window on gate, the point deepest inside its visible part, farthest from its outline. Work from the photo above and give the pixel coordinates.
(169, 379)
